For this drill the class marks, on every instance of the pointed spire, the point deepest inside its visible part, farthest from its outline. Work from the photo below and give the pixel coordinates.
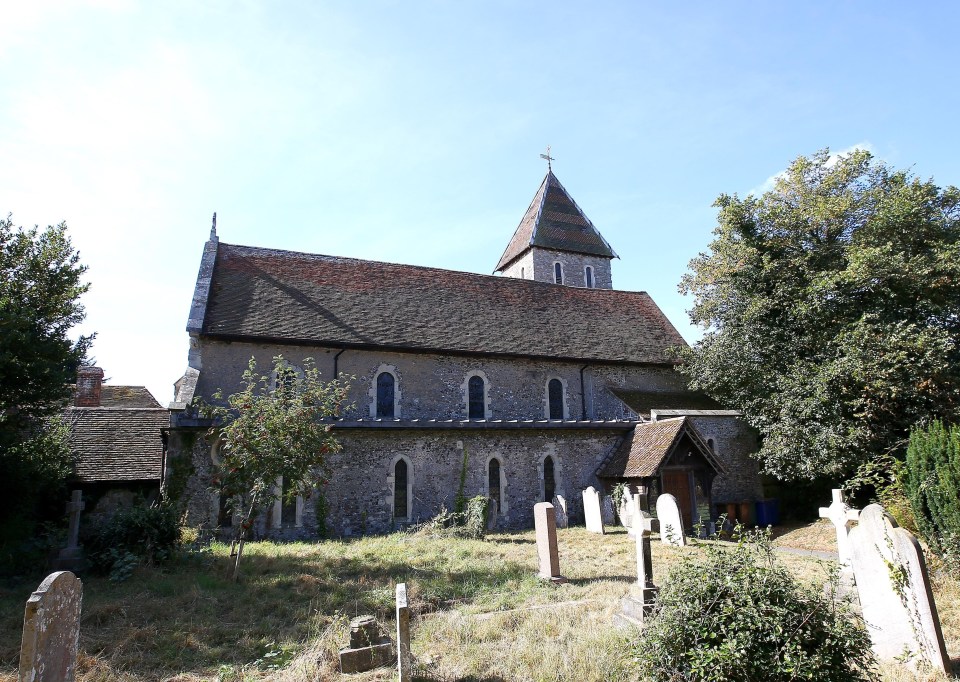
(213, 228)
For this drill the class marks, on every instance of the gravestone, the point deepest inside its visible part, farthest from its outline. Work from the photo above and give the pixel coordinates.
(634, 512)
(368, 649)
(545, 520)
(403, 633)
(71, 556)
(560, 509)
(898, 606)
(592, 513)
(493, 513)
(640, 603)
(625, 511)
(842, 517)
(606, 511)
(51, 629)
(671, 523)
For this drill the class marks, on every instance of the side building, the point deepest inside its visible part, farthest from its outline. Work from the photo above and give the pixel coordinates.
(538, 380)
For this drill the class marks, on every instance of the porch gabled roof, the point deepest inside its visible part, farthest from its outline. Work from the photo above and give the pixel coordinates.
(644, 451)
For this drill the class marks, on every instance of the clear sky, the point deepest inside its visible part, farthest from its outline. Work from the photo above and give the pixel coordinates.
(410, 130)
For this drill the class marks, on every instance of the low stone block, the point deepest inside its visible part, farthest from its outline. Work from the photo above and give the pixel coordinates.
(367, 658)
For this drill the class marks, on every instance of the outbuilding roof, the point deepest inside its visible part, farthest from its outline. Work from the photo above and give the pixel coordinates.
(650, 444)
(289, 297)
(554, 221)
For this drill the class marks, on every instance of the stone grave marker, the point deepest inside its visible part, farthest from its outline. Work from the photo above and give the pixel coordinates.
(51, 630)
(592, 512)
(671, 523)
(625, 512)
(560, 509)
(638, 605)
(545, 520)
(898, 606)
(842, 517)
(403, 634)
(71, 556)
(368, 649)
(606, 511)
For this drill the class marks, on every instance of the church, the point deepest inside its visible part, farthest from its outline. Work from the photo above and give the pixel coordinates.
(536, 382)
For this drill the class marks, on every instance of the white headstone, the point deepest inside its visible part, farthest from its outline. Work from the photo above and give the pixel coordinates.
(634, 513)
(842, 517)
(625, 512)
(51, 629)
(671, 522)
(560, 508)
(403, 634)
(606, 511)
(894, 588)
(591, 510)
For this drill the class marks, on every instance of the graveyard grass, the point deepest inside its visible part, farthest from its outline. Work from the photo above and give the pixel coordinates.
(471, 602)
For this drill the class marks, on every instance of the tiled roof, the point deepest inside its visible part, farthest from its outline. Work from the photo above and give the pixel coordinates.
(120, 440)
(554, 221)
(123, 396)
(263, 294)
(642, 402)
(642, 452)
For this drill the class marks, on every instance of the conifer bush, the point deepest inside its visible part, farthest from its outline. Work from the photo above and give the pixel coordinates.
(736, 615)
(931, 480)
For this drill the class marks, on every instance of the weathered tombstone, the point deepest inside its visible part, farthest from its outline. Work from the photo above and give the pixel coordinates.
(842, 517)
(51, 629)
(634, 512)
(606, 511)
(898, 606)
(671, 523)
(368, 649)
(560, 509)
(403, 633)
(493, 513)
(592, 513)
(625, 512)
(638, 605)
(545, 521)
(71, 556)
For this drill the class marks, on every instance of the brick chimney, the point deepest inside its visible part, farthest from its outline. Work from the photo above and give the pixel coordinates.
(89, 381)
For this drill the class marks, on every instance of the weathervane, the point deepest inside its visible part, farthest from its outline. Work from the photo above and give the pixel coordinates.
(549, 159)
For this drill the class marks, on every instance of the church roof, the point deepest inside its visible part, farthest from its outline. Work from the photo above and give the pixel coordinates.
(123, 396)
(309, 299)
(643, 452)
(554, 221)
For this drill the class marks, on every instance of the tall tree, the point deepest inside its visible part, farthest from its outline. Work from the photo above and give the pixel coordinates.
(40, 288)
(272, 429)
(831, 310)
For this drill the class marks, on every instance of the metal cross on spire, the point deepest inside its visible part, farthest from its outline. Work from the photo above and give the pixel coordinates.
(549, 159)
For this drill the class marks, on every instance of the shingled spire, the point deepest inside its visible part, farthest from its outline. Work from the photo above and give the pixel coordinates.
(556, 242)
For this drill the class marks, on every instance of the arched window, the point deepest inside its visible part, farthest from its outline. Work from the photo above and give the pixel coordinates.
(558, 273)
(477, 408)
(400, 490)
(588, 276)
(493, 482)
(385, 395)
(549, 480)
(555, 398)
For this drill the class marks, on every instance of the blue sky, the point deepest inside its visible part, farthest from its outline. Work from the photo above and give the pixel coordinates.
(410, 131)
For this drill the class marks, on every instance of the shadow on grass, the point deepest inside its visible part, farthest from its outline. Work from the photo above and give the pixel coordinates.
(579, 582)
(191, 617)
(469, 678)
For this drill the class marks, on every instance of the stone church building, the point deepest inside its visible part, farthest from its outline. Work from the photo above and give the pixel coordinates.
(544, 379)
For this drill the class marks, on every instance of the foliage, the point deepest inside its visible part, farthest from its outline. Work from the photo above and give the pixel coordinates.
(830, 307)
(931, 481)
(735, 614)
(272, 428)
(475, 517)
(619, 490)
(40, 288)
(130, 537)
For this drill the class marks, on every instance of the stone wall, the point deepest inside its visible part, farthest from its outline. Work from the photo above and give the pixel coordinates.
(537, 263)
(733, 442)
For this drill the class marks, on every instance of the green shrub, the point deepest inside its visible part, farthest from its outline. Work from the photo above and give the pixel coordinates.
(132, 536)
(475, 517)
(736, 615)
(931, 479)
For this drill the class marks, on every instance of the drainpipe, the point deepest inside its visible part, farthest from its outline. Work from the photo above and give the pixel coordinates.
(583, 395)
(335, 358)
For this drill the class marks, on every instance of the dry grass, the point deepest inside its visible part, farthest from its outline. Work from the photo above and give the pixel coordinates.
(472, 600)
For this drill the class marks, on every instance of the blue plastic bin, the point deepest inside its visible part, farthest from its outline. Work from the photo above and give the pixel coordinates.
(768, 512)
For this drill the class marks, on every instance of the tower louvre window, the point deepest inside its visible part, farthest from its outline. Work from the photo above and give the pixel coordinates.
(558, 273)
(588, 277)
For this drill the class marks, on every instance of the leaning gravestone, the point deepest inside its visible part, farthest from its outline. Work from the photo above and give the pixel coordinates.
(898, 606)
(671, 523)
(560, 509)
(545, 521)
(51, 629)
(591, 510)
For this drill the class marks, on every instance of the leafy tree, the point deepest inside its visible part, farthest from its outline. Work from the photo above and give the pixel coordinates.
(830, 307)
(274, 427)
(40, 287)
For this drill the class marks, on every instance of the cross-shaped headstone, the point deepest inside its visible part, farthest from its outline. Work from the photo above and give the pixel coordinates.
(74, 507)
(643, 525)
(842, 517)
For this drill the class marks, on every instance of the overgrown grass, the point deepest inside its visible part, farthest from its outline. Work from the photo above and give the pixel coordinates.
(480, 613)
